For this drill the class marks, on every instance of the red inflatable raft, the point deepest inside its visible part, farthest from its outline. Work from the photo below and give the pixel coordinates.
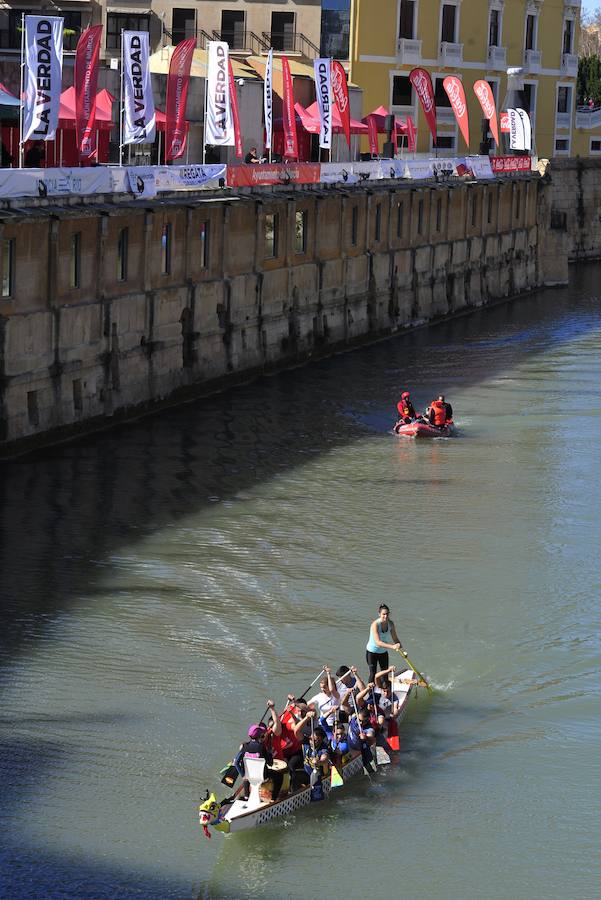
(418, 428)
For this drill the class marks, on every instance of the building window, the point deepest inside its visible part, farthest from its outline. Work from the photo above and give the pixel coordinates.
(564, 99)
(420, 217)
(122, 248)
(440, 95)
(448, 30)
(474, 210)
(595, 146)
(282, 31)
(438, 214)
(354, 225)
(518, 201)
(399, 220)
(271, 235)
(300, 232)
(118, 22)
(530, 95)
(530, 43)
(562, 145)
(8, 267)
(335, 28)
(568, 36)
(378, 223)
(183, 25)
(77, 396)
(402, 91)
(204, 244)
(33, 410)
(446, 142)
(75, 261)
(489, 208)
(166, 249)
(72, 29)
(494, 28)
(232, 28)
(407, 19)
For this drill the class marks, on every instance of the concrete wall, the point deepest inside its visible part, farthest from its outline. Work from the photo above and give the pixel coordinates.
(576, 205)
(350, 266)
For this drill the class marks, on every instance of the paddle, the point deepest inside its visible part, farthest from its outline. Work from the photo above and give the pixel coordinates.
(417, 672)
(302, 696)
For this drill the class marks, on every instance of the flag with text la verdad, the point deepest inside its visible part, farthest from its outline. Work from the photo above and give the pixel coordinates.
(322, 72)
(139, 118)
(85, 82)
(422, 83)
(219, 126)
(44, 63)
(178, 82)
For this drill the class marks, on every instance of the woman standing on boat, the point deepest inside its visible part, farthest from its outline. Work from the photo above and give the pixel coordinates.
(382, 638)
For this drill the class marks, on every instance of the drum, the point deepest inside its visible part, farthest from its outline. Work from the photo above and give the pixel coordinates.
(278, 765)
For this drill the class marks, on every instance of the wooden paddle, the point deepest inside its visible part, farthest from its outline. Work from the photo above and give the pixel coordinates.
(403, 653)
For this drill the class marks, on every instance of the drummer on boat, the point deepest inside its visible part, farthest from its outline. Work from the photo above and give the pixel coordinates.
(382, 638)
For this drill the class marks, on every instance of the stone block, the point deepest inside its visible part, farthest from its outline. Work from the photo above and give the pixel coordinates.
(29, 343)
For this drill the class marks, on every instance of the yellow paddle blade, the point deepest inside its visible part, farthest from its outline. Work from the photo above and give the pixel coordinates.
(336, 778)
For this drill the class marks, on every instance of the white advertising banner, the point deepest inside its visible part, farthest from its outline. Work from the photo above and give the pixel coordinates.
(139, 121)
(335, 173)
(268, 100)
(419, 169)
(147, 181)
(44, 62)
(142, 180)
(527, 126)
(219, 126)
(480, 166)
(520, 130)
(323, 92)
(55, 182)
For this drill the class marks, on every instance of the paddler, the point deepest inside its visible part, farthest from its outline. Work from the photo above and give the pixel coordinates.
(255, 748)
(406, 409)
(327, 701)
(382, 638)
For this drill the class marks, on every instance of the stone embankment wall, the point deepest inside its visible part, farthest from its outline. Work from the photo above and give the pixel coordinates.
(111, 309)
(576, 205)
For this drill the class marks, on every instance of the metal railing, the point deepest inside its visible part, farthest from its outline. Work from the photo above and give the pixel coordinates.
(291, 42)
(243, 41)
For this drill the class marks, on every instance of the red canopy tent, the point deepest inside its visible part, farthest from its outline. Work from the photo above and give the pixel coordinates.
(379, 115)
(305, 127)
(63, 150)
(337, 127)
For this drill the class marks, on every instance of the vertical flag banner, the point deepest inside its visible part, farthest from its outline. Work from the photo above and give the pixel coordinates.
(372, 134)
(340, 89)
(85, 83)
(139, 120)
(411, 135)
(268, 100)
(527, 126)
(44, 60)
(517, 138)
(235, 113)
(483, 92)
(289, 114)
(219, 128)
(421, 81)
(178, 82)
(456, 94)
(322, 69)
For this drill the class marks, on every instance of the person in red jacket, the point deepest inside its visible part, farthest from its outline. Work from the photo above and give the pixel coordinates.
(440, 412)
(406, 409)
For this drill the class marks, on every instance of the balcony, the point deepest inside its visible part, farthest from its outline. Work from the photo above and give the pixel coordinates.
(408, 51)
(588, 118)
(533, 60)
(569, 64)
(497, 58)
(450, 55)
(563, 120)
(290, 42)
(573, 4)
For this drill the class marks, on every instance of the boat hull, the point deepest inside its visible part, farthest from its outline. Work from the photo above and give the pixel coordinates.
(424, 430)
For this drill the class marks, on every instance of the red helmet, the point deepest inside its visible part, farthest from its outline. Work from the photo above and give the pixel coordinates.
(405, 395)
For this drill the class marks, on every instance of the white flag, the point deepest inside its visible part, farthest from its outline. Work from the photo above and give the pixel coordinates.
(219, 127)
(517, 138)
(323, 92)
(139, 120)
(44, 60)
(527, 126)
(268, 100)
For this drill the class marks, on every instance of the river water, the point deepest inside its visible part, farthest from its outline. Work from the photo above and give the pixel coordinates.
(161, 580)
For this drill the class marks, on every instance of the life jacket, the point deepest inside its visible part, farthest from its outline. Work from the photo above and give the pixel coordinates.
(406, 410)
(440, 412)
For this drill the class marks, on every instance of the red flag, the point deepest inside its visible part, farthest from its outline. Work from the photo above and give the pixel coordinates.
(289, 114)
(372, 134)
(483, 92)
(178, 82)
(456, 94)
(340, 91)
(411, 135)
(85, 81)
(235, 114)
(421, 81)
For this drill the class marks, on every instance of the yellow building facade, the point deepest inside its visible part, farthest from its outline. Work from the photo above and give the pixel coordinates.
(475, 39)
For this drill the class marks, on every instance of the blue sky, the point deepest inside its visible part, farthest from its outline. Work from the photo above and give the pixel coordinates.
(590, 5)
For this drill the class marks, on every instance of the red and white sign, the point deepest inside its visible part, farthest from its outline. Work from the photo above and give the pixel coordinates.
(505, 127)
(411, 135)
(421, 81)
(372, 134)
(483, 92)
(85, 82)
(289, 114)
(340, 91)
(250, 176)
(510, 165)
(456, 94)
(178, 82)
(235, 113)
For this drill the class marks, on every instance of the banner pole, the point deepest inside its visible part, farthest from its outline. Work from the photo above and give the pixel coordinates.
(21, 91)
(121, 109)
(204, 115)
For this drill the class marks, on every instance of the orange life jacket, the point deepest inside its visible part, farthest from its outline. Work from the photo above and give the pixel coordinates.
(440, 412)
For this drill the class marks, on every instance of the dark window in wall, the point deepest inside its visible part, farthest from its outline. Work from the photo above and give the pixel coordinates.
(75, 261)
(446, 141)
(166, 249)
(204, 244)
(474, 210)
(449, 20)
(77, 396)
(438, 214)
(518, 201)
(232, 28)
(402, 91)
(335, 28)
(530, 95)
(563, 97)
(440, 95)
(118, 22)
(183, 25)
(568, 35)
(489, 209)
(282, 30)
(8, 267)
(72, 29)
(271, 235)
(354, 225)
(122, 253)
(300, 232)
(420, 217)
(494, 29)
(406, 19)
(378, 223)
(530, 32)
(399, 220)
(33, 412)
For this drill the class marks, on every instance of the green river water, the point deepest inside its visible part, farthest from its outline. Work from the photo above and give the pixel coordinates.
(161, 580)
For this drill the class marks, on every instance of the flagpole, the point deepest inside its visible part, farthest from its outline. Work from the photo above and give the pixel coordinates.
(21, 91)
(204, 115)
(121, 109)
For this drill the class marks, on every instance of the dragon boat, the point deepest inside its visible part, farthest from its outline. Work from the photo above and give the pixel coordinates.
(237, 814)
